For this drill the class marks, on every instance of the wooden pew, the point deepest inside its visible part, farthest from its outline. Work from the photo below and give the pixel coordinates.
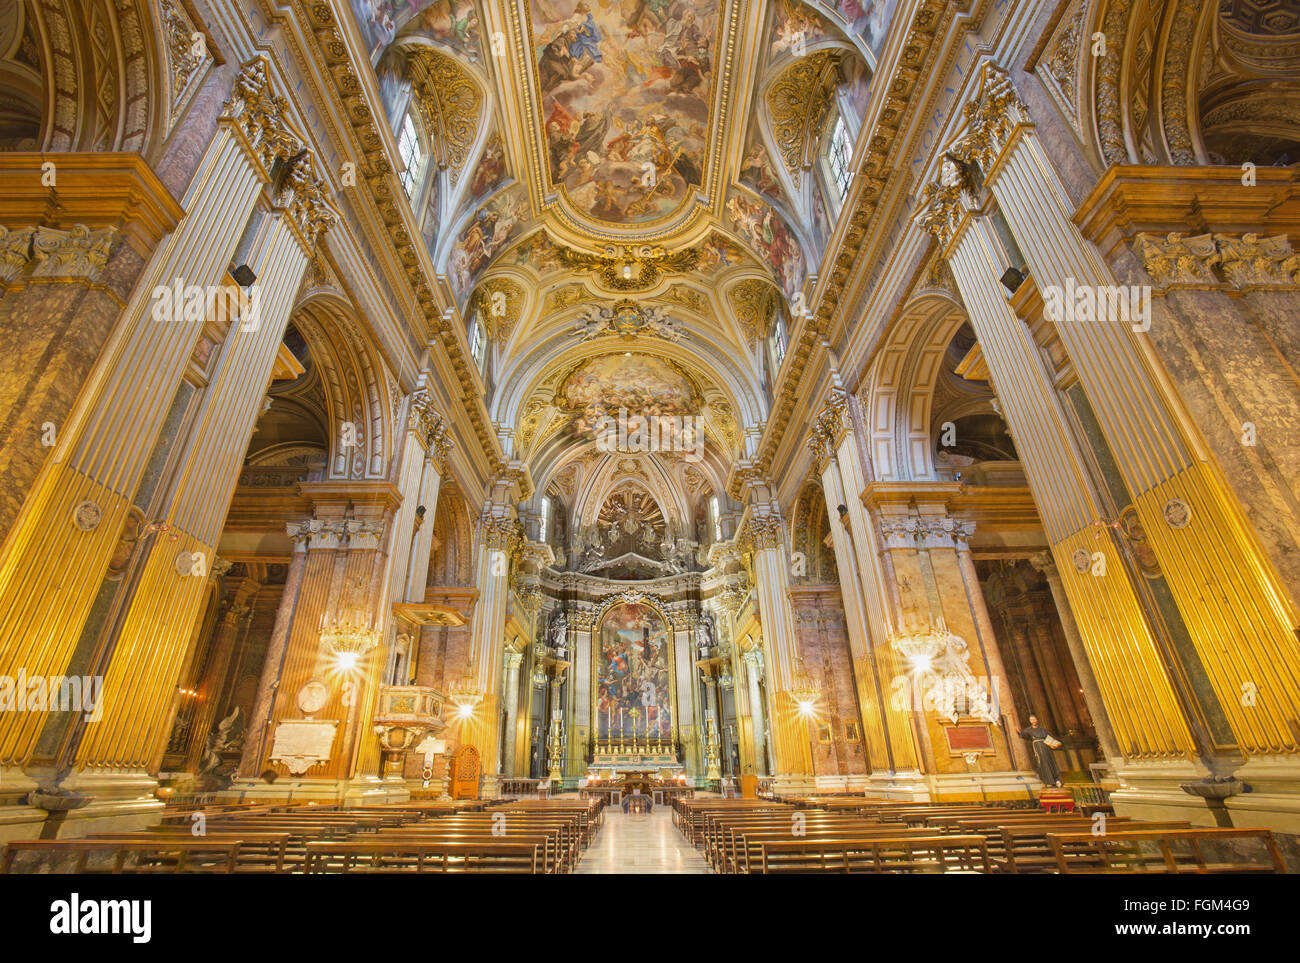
(1154, 851)
(589, 817)
(746, 845)
(550, 858)
(257, 853)
(905, 854)
(1025, 847)
(691, 815)
(153, 855)
(718, 830)
(375, 854)
(560, 852)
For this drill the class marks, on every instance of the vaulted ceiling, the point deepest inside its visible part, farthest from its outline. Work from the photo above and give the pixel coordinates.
(649, 157)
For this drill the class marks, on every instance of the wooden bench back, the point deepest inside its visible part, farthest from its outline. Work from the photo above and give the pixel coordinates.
(1158, 851)
(373, 855)
(903, 854)
(163, 854)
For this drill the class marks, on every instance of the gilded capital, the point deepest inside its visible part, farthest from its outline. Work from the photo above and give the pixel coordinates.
(78, 252)
(501, 533)
(763, 532)
(260, 114)
(1178, 260)
(940, 210)
(991, 117)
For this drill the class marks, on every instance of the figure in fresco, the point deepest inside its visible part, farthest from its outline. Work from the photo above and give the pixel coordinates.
(633, 673)
(584, 47)
(626, 91)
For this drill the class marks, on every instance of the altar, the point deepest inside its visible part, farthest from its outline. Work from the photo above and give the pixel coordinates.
(622, 755)
(659, 785)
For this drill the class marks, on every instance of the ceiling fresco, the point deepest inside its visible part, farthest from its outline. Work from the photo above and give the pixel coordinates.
(452, 23)
(625, 94)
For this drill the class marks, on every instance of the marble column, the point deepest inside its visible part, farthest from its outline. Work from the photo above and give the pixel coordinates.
(230, 632)
(1122, 647)
(780, 649)
(1211, 561)
(54, 560)
(150, 648)
(513, 660)
(499, 537)
(1082, 667)
(256, 742)
(831, 433)
(754, 676)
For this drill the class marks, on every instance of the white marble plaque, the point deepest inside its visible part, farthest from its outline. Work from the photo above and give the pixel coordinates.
(302, 743)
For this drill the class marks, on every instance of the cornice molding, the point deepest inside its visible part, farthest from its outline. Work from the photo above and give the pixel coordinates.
(867, 194)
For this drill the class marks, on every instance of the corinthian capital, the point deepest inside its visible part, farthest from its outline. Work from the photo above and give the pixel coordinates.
(75, 253)
(1251, 261)
(501, 533)
(763, 532)
(430, 427)
(991, 117)
(260, 114)
(940, 210)
(308, 205)
(15, 248)
(1175, 259)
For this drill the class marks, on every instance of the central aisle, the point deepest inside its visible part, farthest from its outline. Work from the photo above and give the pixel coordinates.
(641, 844)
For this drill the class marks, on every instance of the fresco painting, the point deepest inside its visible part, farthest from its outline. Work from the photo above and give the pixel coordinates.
(491, 169)
(795, 26)
(626, 87)
(776, 244)
(633, 682)
(641, 384)
(492, 227)
(453, 23)
(868, 19)
(756, 168)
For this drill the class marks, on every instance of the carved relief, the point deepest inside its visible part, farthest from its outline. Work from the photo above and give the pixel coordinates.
(450, 103)
(796, 103)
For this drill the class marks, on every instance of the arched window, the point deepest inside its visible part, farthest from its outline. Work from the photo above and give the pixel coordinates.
(412, 156)
(477, 342)
(543, 527)
(776, 341)
(716, 515)
(839, 151)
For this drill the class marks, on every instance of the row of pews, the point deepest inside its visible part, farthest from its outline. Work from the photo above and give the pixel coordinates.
(857, 835)
(506, 836)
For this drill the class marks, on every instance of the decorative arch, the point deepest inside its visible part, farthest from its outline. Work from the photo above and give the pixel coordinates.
(114, 74)
(529, 381)
(354, 384)
(1183, 82)
(451, 562)
(901, 389)
(809, 527)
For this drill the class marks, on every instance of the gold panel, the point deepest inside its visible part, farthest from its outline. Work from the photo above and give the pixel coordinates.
(1239, 619)
(1134, 683)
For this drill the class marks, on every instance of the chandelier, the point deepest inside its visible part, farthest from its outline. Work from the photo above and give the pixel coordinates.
(806, 691)
(464, 696)
(922, 648)
(348, 638)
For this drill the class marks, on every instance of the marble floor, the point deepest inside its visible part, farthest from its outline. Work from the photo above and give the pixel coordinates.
(641, 844)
